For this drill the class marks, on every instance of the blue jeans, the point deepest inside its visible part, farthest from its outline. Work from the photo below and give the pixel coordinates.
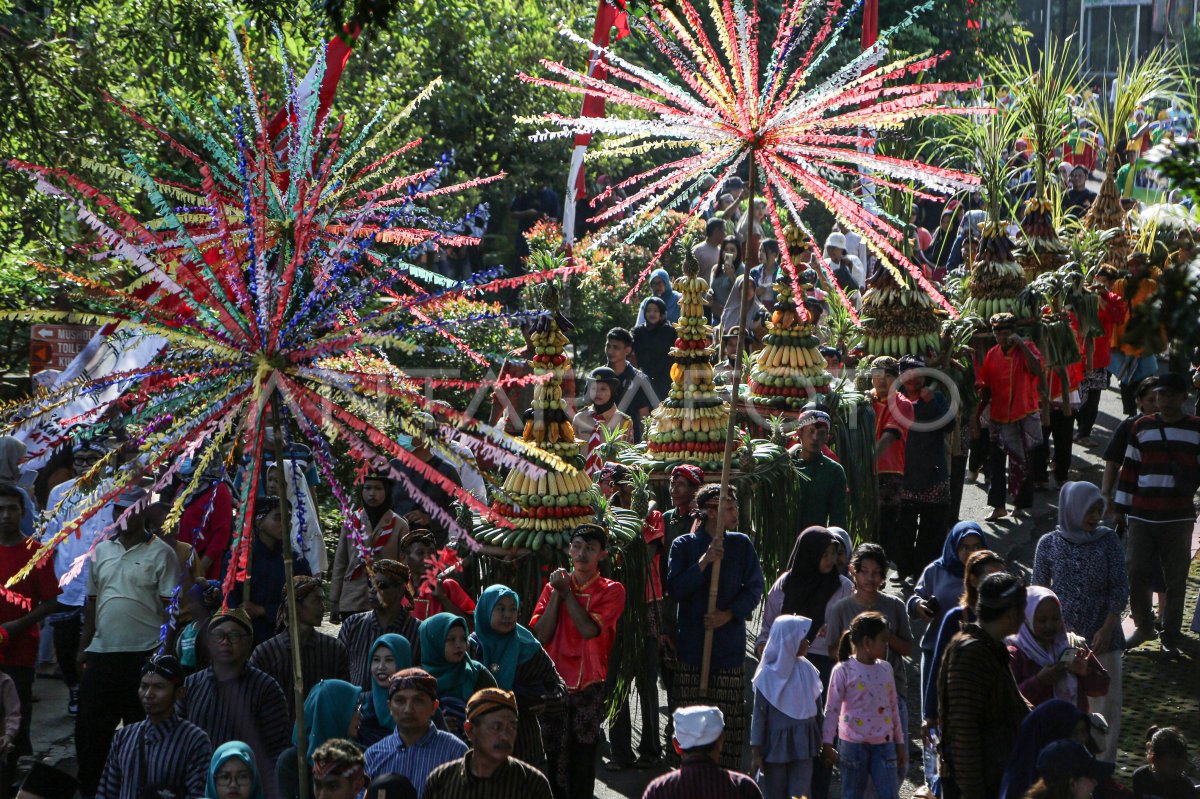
(877, 761)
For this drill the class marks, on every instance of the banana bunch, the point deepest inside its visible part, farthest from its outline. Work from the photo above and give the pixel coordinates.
(790, 357)
(901, 345)
(548, 342)
(690, 286)
(571, 481)
(987, 307)
(894, 295)
(1057, 340)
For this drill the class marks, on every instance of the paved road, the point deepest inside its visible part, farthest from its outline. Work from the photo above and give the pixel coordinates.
(1157, 689)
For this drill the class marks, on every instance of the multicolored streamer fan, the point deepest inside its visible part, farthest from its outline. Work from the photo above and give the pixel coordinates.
(264, 273)
(807, 137)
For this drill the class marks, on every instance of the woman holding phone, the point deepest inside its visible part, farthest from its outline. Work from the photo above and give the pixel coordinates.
(1050, 663)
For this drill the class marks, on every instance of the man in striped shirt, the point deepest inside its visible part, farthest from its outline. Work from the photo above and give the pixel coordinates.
(389, 586)
(1155, 493)
(233, 701)
(322, 657)
(489, 770)
(417, 747)
(163, 753)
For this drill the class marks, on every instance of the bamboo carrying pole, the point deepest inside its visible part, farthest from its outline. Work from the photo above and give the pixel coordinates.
(730, 430)
(293, 625)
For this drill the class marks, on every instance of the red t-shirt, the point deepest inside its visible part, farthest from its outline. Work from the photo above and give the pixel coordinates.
(654, 531)
(426, 606)
(38, 586)
(210, 536)
(1112, 313)
(895, 415)
(1074, 371)
(1014, 388)
(584, 662)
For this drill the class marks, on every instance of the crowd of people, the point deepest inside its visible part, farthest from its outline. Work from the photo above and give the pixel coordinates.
(439, 685)
(432, 687)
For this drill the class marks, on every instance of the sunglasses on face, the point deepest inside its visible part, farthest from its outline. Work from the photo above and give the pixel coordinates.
(229, 635)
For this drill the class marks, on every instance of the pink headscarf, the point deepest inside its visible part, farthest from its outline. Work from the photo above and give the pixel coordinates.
(1068, 687)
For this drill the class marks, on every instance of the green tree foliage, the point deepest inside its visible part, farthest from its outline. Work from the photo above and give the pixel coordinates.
(58, 61)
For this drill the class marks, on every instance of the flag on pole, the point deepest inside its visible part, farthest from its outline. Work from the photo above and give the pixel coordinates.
(611, 14)
(337, 53)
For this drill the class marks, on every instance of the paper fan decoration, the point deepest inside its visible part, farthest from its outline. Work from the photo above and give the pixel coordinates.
(808, 137)
(273, 268)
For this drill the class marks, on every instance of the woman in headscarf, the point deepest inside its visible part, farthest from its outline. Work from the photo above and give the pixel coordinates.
(1049, 722)
(845, 550)
(380, 530)
(979, 566)
(12, 452)
(653, 338)
(306, 524)
(785, 728)
(660, 286)
(232, 773)
(810, 586)
(518, 663)
(1047, 661)
(1084, 564)
(330, 711)
(443, 648)
(389, 654)
(937, 591)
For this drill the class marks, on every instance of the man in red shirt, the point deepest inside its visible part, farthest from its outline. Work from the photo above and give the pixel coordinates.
(615, 481)
(1059, 425)
(893, 418)
(207, 522)
(22, 607)
(1008, 395)
(576, 621)
(1112, 313)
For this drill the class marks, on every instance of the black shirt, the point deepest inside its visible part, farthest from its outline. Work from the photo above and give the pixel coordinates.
(1115, 451)
(403, 503)
(652, 346)
(1148, 785)
(635, 395)
(1075, 203)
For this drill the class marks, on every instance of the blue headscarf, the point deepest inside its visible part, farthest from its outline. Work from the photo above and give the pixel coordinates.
(229, 751)
(1048, 722)
(328, 711)
(454, 679)
(402, 651)
(671, 297)
(501, 653)
(949, 559)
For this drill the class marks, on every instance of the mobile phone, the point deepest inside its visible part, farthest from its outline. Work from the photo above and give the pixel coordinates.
(1068, 654)
(934, 605)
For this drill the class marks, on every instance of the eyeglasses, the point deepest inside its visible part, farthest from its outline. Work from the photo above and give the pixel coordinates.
(384, 585)
(229, 635)
(225, 779)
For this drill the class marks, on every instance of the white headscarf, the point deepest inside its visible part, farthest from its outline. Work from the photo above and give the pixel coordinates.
(12, 451)
(1068, 687)
(1074, 501)
(790, 683)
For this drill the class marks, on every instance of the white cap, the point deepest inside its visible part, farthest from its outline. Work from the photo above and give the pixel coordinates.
(698, 726)
(836, 239)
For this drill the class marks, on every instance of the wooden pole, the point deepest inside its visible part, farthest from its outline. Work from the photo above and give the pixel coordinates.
(750, 260)
(293, 624)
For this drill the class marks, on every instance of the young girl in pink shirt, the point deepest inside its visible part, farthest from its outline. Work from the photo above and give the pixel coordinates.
(862, 711)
